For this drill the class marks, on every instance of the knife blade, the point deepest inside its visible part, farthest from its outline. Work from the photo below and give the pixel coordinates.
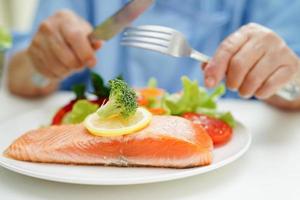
(122, 18)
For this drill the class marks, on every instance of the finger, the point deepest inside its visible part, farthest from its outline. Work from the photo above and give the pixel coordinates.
(38, 60)
(39, 65)
(279, 78)
(51, 61)
(258, 75)
(78, 40)
(96, 44)
(53, 65)
(217, 67)
(203, 66)
(63, 52)
(242, 62)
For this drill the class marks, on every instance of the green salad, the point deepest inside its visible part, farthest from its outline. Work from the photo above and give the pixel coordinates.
(5, 39)
(120, 99)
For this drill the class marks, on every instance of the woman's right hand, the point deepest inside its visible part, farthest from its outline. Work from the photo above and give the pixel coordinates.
(61, 46)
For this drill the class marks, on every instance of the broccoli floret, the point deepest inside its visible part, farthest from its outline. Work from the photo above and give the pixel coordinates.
(122, 101)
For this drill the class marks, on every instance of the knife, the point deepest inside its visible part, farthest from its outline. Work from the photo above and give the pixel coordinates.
(108, 29)
(122, 18)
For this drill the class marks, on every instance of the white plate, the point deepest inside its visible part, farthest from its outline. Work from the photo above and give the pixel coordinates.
(99, 175)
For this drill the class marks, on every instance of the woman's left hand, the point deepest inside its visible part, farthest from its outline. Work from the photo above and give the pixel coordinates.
(254, 60)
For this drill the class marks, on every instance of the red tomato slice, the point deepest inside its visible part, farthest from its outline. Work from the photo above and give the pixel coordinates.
(59, 115)
(219, 131)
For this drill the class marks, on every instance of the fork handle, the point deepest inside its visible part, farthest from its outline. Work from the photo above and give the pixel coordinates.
(199, 56)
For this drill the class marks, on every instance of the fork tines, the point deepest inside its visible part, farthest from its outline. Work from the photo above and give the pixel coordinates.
(147, 37)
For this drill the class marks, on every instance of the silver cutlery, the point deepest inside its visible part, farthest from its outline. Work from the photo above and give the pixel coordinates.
(171, 42)
(162, 39)
(122, 18)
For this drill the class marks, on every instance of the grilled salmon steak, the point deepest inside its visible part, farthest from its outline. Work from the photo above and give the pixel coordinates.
(168, 141)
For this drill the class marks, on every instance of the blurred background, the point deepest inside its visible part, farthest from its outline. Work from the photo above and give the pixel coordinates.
(17, 15)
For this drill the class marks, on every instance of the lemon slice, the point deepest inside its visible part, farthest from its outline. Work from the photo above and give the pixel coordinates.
(117, 126)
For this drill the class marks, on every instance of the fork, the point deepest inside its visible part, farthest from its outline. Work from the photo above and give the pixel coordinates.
(171, 42)
(162, 39)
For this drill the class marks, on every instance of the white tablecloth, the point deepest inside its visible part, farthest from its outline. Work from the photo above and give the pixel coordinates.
(269, 170)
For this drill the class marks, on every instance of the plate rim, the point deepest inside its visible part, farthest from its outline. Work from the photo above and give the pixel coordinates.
(154, 179)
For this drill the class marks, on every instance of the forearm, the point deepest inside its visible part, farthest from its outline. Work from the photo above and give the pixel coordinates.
(284, 104)
(20, 72)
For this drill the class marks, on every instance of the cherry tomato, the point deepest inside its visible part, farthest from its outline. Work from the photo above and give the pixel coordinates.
(59, 115)
(219, 131)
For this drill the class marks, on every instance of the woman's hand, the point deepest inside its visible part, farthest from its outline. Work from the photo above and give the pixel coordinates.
(61, 46)
(254, 60)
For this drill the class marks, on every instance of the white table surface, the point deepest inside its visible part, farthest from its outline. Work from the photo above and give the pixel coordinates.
(269, 170)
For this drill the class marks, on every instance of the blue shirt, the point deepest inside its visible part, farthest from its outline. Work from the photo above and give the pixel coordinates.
(205, 23)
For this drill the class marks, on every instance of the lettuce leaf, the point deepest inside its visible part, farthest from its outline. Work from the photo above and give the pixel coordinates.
(192, 97)
(188, 100)
(81, 109)
(198, 100)
(5, 39)
(152, 83)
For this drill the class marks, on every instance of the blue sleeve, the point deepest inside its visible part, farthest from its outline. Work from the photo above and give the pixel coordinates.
(282, 16)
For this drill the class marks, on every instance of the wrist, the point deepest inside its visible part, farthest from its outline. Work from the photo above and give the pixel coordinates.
(284, 104)
(20, 72)
(38, 78)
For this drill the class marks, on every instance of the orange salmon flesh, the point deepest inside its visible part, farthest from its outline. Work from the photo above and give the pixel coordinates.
(168, 141)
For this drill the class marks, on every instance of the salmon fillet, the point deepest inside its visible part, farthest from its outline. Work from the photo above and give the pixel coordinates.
(168, 141)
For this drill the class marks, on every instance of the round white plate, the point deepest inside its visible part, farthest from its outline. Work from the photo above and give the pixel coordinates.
(100, 175)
